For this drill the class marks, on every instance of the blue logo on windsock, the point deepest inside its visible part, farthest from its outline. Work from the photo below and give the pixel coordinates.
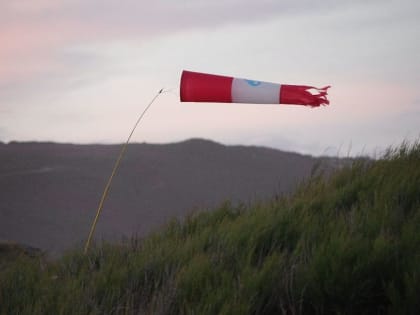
(253, 83)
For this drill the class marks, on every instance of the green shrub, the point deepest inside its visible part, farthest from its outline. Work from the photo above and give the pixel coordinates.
(346, 243)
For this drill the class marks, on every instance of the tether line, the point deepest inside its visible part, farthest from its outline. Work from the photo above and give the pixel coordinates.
(114, 171)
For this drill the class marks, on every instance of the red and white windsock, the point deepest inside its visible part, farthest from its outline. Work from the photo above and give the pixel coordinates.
(203, 87)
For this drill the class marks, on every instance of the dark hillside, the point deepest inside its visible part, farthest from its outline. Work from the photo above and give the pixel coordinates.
(49, 192)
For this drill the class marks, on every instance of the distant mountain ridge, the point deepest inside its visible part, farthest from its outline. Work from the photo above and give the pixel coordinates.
(49, 191)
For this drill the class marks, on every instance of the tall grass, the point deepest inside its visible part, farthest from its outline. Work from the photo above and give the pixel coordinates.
(346, 243)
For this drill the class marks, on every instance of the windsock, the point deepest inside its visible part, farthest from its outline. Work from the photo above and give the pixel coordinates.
(203, 87)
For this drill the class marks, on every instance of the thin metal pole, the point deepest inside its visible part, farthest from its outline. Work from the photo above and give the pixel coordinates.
(114, 171)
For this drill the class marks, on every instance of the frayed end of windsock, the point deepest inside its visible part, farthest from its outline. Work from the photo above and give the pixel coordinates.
(304, 95)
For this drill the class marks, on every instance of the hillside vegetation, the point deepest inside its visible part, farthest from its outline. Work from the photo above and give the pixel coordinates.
(346, 244)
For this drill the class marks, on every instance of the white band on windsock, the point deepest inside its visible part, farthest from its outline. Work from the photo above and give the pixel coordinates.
(249, 91)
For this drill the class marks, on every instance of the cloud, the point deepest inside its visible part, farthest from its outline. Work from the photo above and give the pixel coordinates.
(66, 64)
(36, 32)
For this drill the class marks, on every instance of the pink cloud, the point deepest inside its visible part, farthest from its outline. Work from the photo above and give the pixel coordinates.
(32, 32)
(30, 48)
(372, 99)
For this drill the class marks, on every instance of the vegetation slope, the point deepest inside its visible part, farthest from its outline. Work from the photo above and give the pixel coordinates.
(346, 243)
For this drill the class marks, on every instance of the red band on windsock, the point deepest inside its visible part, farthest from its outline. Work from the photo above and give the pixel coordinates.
(202, 87)
(303, 95)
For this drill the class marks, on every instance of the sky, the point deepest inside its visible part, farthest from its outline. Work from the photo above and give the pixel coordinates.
(82, 71)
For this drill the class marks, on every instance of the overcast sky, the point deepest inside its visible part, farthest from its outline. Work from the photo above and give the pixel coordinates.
(82, 71)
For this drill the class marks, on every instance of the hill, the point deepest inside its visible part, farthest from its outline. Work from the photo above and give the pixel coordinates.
(343, 244)
(49, 192)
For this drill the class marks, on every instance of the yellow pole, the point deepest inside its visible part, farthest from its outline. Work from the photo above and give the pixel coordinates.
(114, 170)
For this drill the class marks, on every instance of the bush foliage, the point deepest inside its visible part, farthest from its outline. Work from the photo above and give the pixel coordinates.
(346, 243)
